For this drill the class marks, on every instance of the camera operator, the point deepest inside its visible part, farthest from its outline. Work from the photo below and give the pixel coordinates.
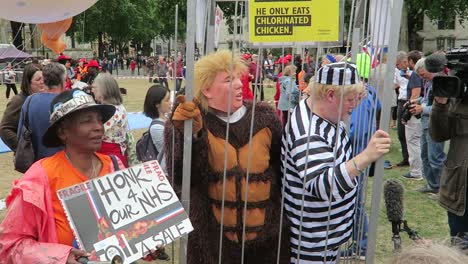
(432, 153)
(449, 121)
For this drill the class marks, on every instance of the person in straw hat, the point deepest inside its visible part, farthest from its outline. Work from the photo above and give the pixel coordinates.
(35, 228)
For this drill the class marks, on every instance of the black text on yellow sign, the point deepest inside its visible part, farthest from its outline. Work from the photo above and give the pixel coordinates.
(278, 22)
(293, 20)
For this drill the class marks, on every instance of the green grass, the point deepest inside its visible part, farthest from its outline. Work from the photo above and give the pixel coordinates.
(423, 214)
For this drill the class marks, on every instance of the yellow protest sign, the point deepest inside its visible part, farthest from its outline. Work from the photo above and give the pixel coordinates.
(294, 21)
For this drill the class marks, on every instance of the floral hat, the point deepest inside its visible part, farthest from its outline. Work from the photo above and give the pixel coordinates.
(69, 102)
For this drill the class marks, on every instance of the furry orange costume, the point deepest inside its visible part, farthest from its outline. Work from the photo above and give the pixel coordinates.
(263, 192)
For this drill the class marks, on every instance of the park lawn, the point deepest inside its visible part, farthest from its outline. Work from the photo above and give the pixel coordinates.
(423, 214)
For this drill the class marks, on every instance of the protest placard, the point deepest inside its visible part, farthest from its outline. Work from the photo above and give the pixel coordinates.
(279, 21)
(125, 213)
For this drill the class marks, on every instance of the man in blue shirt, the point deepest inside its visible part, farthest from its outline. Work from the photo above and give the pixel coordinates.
(37, 106)
(363, 125)
(413, 128)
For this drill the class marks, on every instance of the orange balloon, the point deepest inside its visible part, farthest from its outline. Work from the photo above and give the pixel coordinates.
(51, 33)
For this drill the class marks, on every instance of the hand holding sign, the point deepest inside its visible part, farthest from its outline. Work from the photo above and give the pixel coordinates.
(128, 213)
(75, 254)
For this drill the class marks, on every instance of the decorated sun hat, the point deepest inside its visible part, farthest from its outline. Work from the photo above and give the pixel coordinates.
(340, 73)
(69, 102)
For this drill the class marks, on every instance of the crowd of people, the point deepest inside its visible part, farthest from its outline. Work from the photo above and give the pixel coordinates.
(425, 122)
(75, 135)
(312, 151)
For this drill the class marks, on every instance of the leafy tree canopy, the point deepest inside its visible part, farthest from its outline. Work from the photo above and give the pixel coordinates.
(439, 9)
(120, 20)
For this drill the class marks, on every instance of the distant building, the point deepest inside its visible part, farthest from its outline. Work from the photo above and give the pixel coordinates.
(238, 34)
(443, 34)
(5, 31)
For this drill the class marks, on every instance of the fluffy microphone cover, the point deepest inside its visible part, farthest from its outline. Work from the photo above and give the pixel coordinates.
(393, 196)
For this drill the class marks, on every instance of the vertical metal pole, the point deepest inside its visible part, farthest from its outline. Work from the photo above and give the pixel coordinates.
(249, 159)
(174, 71)
(357, 29)
(210, 28)
(377, 189)
(187, 160)
(221, 224)
(173, 101)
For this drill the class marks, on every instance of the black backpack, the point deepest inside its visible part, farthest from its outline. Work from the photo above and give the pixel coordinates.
(145, 148)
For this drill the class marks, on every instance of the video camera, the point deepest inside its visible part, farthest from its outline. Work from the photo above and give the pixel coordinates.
(455, 85)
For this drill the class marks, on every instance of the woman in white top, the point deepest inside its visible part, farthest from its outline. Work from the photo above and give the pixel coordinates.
(157, 107)
(10, 80)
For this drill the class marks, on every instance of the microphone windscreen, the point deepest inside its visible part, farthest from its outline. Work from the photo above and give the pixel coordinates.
(393, 196)
(435, 62)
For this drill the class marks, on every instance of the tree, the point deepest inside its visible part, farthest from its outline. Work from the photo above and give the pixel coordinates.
(17, 34)
(117, 21)
(165, 14)
(440, 9)
(435, 10)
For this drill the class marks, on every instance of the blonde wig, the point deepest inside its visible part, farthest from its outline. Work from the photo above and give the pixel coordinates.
(208, 67)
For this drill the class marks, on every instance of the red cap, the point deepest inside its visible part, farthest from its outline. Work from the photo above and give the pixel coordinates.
(282, 60)
(82, 60)
(246, 56)
(93, 63)
(63, 57)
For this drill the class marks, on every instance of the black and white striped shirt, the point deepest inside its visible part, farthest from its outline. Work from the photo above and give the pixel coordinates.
(314, 180)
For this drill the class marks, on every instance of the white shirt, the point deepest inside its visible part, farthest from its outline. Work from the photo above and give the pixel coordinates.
(268, 64)
(235, 116)
(402, 82)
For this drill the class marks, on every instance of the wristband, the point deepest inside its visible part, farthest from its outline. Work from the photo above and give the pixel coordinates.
(356, 167)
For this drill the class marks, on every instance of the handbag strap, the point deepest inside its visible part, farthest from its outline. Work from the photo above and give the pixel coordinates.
(26, 117)
(154, 122)
(115, 163)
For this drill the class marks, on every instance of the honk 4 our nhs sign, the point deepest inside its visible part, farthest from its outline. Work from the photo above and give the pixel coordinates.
(294, 21)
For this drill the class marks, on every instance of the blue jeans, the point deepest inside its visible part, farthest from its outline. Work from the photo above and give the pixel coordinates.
(178, 84)
(433, 157)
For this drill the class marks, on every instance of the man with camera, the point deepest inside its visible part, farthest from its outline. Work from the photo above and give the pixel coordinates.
(432, 152)
(412, 123)
(449, 121)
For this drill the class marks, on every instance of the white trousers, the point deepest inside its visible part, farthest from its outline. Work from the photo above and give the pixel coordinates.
(413, 130)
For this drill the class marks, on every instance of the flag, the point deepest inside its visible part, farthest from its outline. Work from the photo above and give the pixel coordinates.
(201, 12)
(380, 14)
(218, 20)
